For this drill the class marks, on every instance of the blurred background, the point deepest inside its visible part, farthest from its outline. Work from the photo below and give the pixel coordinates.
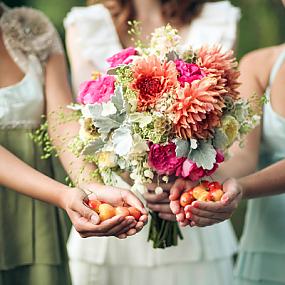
(262, 24)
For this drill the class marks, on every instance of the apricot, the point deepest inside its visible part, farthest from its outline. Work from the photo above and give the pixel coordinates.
(122, 211)
(186, 199)
(198, 190)
(135, 212)
(217, 194)
(106, 212)
(94, 205)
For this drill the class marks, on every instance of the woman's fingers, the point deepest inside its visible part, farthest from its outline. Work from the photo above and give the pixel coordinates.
(168, 217)
(175, 207)
(177, 189)
(155, 198)
(202, 222)
(165, 186)
(206, 214)
(161, 208)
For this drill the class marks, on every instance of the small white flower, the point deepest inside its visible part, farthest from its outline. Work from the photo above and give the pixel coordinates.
(149, 174)
(193, 143)
(158, 190)
(165, 179)
(108, 109)
(133, 176)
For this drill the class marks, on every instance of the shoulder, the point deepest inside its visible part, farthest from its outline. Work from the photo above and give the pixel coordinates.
(216, 24)
(259, 63)
(92, 13)
(29, 31)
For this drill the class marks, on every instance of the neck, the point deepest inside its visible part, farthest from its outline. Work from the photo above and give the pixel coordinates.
(147, 9)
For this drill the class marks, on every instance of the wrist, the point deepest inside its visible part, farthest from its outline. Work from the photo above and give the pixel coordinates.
(62, 194)
(243, 186)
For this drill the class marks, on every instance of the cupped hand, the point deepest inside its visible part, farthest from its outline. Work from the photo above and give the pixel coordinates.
(176, 190)
(159, 202)
(204, 214)
(86, 220)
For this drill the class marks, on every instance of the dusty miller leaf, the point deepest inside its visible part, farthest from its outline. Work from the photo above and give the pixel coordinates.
(182, 148)
(204, 156)
(118, 100)
(93, 147)
(122, 140)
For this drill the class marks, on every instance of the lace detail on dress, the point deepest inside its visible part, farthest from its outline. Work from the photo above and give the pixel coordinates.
(27, 31)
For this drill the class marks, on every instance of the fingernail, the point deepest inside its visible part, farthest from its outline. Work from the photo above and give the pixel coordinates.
(121, 218)
(95, 219)
(196, 205)
(188, 215)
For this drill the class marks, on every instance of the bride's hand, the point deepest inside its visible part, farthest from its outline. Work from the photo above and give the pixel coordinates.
(159, 202)
(85, 220)
(209, 213)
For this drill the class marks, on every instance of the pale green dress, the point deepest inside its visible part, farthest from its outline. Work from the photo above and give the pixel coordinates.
(32, 233)
(262, 251)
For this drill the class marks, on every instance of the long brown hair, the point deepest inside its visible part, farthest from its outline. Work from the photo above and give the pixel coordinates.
(176, 12)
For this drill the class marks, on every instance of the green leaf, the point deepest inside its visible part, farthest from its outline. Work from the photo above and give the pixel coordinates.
(182, 148)
(172, 55)
(220, 139)
(93, 147)
(122, 140)
(204, 156)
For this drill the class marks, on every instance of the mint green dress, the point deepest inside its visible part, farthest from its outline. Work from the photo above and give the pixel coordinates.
(262, 251)
(32, 233)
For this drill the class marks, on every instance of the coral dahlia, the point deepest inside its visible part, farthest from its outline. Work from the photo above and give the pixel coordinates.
(152, 78)
(198, 109)
(223, 67)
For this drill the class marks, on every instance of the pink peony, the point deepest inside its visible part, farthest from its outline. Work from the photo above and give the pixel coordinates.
(162, 158)
(96, 91)
(190, 170)
(188, 72)
(122, 57)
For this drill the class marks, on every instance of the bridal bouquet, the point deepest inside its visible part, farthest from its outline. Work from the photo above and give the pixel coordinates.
(162, 112)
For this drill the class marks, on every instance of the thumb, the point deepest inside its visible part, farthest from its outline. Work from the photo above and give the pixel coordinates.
(176, 190)
(231, 189)
(84, 211)
(133, 200)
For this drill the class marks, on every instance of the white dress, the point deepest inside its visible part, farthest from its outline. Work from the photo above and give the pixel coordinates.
(204, 257)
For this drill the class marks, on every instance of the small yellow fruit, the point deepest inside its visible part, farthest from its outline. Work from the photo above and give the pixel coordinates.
(217, 195)
(203, 196)
(106, 212)
(197, 191)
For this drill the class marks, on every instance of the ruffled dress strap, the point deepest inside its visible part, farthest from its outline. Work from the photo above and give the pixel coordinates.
(26, 32)
(95, 34)
(217, 24)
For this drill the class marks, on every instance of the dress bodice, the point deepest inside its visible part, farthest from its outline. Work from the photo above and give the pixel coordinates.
(30, 39)
(22, 104)
(265, 223)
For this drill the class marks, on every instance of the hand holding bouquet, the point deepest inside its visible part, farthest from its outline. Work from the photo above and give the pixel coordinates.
(162, 112)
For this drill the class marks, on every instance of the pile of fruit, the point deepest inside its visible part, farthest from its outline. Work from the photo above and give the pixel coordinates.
(206, 191)
(106, 211)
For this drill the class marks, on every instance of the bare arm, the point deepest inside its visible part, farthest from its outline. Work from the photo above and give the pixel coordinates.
(268, 181)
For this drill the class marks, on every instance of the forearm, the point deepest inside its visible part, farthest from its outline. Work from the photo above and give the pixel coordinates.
(62, 127)
(19, 176)
(268, 181)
